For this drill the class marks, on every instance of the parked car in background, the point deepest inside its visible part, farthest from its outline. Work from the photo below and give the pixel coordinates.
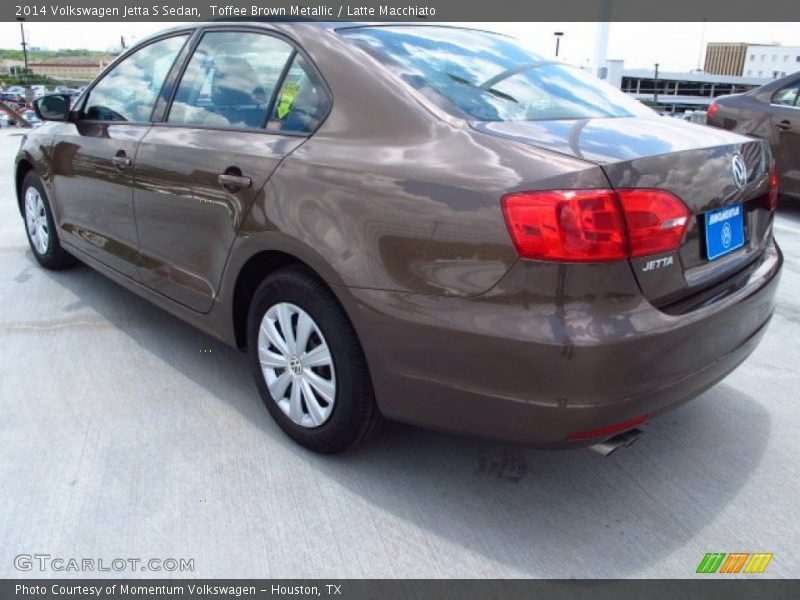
(15, 103)
(30, 116)
(16, 89)
(61, 89)
(38, 90)
(771, 112)
(423, 223)
(12, 100)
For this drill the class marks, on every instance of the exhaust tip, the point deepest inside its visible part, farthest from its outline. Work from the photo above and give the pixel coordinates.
(622, 440)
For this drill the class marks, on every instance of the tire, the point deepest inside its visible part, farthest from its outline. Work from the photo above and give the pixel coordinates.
(40, 226)
(303, 407)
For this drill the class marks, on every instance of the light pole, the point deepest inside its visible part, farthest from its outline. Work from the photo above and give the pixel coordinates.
(24, 44)
(558, 35)
(655, 86)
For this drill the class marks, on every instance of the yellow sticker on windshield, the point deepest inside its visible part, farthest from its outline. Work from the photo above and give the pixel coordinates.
(288, 94)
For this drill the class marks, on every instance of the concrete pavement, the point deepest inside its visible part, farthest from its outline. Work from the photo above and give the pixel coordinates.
(126, 433)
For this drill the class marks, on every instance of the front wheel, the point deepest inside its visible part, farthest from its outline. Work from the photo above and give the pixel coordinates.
(40, 226)
(308, 364)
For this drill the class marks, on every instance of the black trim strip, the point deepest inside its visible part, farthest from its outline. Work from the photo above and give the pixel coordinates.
(278, 86)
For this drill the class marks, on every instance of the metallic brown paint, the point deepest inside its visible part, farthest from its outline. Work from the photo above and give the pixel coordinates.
(395, 205)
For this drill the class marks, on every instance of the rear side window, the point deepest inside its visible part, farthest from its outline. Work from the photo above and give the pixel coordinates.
(129, 91)
(787, 96)
(302, 101)
(230, 80)
(490, 77)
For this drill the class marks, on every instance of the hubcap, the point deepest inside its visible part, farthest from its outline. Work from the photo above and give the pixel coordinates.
(297, 364)
(36, 220)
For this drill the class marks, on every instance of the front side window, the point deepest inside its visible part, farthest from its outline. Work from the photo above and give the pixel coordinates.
(787, 96)
(230, 80)
(490, 77)
(129, 91)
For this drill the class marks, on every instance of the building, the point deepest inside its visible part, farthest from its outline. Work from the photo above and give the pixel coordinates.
(724, 58)
(6, 65)
(71, 68)
(677, 91)
(772, 61)
(765, 61)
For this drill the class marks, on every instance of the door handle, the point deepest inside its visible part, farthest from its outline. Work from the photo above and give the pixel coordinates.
(233, 183)
(785, 125)
(120, 161)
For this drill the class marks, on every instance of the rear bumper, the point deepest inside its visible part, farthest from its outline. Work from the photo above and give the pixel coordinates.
(533, 367)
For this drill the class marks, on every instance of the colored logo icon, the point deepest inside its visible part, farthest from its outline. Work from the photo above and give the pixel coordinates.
(735, 562)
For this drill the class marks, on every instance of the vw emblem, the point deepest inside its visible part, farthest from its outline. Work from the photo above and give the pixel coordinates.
(726, 235)
(296, 367)
(739, 170)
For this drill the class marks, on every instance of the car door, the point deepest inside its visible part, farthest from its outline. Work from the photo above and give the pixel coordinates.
(94, 154)
(198, 172)
(785, 117)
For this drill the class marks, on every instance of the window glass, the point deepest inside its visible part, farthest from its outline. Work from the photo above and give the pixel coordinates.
(491, 77)
(129, 91)
(787, 96)
(230, 80)
(302, 101)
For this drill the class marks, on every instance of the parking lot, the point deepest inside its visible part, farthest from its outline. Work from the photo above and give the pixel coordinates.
(127, 433)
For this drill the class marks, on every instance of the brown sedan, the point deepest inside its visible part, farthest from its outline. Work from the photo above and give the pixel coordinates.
(771, 112)
(426, 224)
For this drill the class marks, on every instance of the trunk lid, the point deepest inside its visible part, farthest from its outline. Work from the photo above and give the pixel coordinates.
(693, 162)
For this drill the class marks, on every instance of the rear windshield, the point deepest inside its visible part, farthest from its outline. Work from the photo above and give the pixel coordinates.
(491, 77)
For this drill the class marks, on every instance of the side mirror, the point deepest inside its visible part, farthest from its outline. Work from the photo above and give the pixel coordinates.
(53, 107)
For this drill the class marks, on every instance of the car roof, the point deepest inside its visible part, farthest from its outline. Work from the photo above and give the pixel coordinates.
(265, 23)
(286, 25)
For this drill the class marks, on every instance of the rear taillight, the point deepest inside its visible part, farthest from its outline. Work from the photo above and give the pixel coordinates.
(568, 225)
(594, 225)
(712, 110)
(773, 189)
(656, 220)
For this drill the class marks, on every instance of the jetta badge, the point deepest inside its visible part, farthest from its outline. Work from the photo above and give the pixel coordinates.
(739, 170)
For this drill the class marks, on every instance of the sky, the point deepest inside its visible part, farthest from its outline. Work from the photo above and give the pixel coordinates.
(675, 46)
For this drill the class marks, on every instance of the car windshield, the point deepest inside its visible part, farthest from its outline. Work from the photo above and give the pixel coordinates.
(491, 77)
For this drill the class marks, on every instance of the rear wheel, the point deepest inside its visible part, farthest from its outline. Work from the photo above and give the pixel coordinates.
(308, 364)
(40, 226)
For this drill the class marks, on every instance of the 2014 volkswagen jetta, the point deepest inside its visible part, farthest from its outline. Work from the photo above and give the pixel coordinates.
(423, 223)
